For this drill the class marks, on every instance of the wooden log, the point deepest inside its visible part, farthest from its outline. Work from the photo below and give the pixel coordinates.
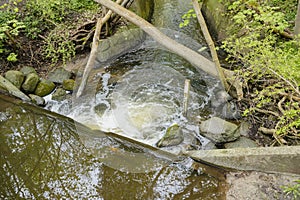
(193, 57)
(13, 90)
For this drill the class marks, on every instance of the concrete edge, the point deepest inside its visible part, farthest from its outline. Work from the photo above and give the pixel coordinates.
(265, 159)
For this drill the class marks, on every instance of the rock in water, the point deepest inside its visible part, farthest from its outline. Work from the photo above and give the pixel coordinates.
(44, 88)
(68, 84)
(173, 136)
(40, 101)
(219, 130)
(30, 82)
(59, 95)
(15, 77)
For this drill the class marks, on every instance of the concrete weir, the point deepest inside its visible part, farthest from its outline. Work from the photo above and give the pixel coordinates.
(264, 159)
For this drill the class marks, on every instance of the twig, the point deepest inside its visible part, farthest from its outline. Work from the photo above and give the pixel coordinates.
(287, 81)
(267, 131)
(280, 104)
(92, 57)
(210, 43)
(186, 94)
(267, 112)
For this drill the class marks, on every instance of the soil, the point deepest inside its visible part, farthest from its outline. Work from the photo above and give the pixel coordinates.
(258, 185)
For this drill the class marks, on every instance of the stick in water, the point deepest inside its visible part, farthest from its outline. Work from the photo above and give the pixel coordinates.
(186, 95)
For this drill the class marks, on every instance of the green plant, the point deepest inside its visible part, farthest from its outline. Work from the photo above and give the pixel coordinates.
(10, 28)
(59, 46)
(294, 190)
(268, 63)
(12, 57)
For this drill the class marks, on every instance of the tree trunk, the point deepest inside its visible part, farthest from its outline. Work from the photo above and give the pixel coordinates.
(193, 57)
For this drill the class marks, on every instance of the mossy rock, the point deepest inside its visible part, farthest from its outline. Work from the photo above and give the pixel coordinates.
(172, 137)
(44, 88)
(59, 95)
(68, 84)
(30, 82)
(15, 77)
(59, 75)
(28, 70)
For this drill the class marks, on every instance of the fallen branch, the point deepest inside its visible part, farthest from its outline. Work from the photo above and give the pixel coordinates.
(193, 57)
(91, 61)
(210, 43)
(186, 95)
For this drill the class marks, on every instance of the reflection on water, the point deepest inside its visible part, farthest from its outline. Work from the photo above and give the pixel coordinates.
(43, 157)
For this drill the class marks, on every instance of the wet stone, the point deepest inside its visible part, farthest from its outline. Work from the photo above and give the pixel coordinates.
(44, 88)
(40, 101)
(173, 136)
(15, 77)
(68, 84)
(59, 95)
(219, 130)
(59, 75)
(242, 142)
(30, 82)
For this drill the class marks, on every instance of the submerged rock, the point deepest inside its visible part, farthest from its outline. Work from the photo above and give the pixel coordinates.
(15, 77)
(173, 136)
(219, 130)
(59, 75)
(30, 82)
(44, 88)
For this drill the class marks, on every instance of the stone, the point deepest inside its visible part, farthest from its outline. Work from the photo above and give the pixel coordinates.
(27, 70)
(13, 90)
(244, 128)
(15, 77)
(242, 142)
(30, 82)
(44, 88)
(172, 137)
(59, 75)
(219, 130)
(40, 101)
(68, 84)
(59, 95)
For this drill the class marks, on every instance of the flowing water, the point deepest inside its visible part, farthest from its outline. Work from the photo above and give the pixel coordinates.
(137, 95)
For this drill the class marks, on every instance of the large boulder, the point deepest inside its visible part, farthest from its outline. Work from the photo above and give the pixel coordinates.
(30, 82)
(59, 75)
(219, 130)
(44, 88)
(15, 77)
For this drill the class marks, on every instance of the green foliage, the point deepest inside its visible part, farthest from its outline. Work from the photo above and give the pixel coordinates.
(187, 17)
(294, 190)
(51, 20)
(58, 46)
(42, 15)
(12, 57)
(270, 63)
(10, 28)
